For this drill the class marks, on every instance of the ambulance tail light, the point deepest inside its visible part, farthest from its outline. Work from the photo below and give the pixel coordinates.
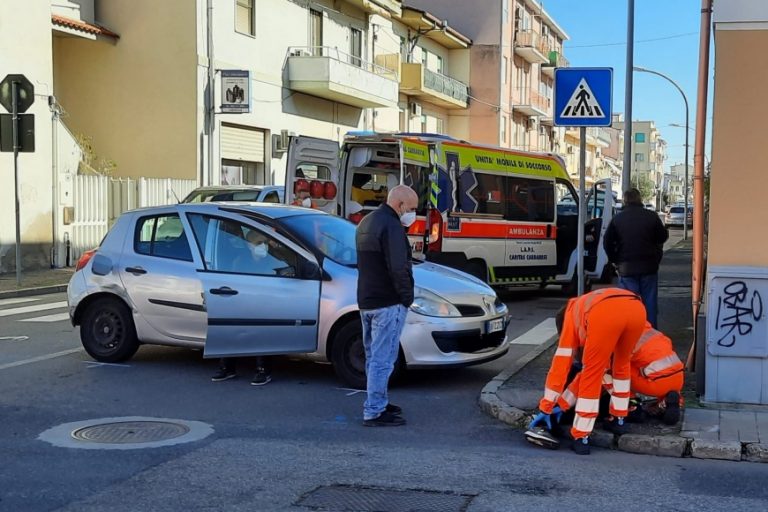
(435, 227)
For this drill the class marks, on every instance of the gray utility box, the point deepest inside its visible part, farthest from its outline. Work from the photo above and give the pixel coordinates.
(737, 335)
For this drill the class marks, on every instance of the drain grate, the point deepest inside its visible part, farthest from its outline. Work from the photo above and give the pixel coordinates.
(130, 432)
(368, 499)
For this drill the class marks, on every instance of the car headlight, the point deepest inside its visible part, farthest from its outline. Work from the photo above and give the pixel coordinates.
(500, 307)
(428, 303)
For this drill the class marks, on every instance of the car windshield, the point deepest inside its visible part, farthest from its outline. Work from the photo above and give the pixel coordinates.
(676, 209)
(333, 236)
(205, 196)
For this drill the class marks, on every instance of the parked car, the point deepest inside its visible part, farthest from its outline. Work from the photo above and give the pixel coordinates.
(258, 193)
(186, 275)
(674, 216)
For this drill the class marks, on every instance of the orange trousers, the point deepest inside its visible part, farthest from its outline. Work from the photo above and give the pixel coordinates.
(613, 328)
(657, 388)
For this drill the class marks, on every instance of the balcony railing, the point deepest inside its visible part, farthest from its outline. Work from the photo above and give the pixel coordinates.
(446, 85)
(531, 46)
(338, 76)
(532, 103)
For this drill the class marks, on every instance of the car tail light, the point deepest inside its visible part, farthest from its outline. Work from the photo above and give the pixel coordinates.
(329, 190)
(301, 185)
(316, 189)
(356, 217)
(84, 259)
(435, 227)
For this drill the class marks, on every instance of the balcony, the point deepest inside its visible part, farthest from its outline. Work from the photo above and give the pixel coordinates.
(532, 47)
(436, 88)
(532, 103)
(337, 76)
(556, 60)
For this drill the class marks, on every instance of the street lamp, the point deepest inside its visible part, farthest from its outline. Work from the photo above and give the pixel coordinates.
(687, 129)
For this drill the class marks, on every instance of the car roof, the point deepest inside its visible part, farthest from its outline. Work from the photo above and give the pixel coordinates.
(236, 187)
(272, 210)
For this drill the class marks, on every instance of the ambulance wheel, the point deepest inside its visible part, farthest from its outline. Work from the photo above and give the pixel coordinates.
(478, 269)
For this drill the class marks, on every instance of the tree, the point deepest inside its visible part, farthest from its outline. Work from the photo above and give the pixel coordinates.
(646, 187)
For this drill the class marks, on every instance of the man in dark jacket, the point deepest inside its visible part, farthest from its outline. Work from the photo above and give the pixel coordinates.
(634, 242)
(384, 293)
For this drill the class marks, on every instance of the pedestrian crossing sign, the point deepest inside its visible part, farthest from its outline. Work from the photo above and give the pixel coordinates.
(583, 96)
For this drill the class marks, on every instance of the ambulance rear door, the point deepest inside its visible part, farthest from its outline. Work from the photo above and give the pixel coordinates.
(313, 167)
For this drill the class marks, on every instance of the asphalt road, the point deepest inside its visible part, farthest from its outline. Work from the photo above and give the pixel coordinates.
(271, 447)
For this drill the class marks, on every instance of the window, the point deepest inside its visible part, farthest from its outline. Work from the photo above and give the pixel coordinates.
(424, 57)
(162, 236)
(417, 178)
(272, 197)
(316, 32)
(355, 47)
(244, 18)
(488, 194)
(239, 172)
(639, 157)
(529, 200)
(440, 125)
(640, 137)
(440, 65)
(313, 172)
(232, 247)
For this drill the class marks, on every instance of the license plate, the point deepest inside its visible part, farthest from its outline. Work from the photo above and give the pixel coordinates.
(494, 325)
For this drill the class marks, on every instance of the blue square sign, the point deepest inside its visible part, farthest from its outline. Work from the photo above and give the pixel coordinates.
(583, 96)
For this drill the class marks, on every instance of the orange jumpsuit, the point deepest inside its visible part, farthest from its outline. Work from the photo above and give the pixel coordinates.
(603, 323)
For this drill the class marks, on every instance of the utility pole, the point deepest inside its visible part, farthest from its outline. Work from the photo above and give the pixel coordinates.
(626, 169)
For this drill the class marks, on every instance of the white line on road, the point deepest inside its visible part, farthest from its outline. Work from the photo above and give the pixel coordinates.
(14, 338)
(94, 364)
(58, 317)
(20, 300)
(33, 309)
(39, 358)
(538, 334)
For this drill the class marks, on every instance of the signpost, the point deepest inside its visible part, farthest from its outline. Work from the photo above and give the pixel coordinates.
(583, 97)
(235, 91)
(17, 94)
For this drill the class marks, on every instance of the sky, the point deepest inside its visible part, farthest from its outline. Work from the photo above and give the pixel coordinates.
(598, 33)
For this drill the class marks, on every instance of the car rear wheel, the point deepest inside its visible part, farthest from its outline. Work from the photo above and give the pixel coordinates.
(348, 356)
(107, 331)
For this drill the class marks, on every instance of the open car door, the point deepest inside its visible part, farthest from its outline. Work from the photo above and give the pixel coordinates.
(312, 173)
(600, 204)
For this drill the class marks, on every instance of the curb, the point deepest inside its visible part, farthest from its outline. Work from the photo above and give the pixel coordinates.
(643, 444)
(26, 292)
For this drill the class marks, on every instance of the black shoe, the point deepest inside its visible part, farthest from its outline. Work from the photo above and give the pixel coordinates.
(223, 374)
(393, 409)
(261, 377)
(616, 425)
(385, 419)
(672, 410)
(636, 415)
(581, 446)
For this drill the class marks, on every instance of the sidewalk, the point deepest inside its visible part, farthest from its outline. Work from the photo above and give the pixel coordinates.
(35, 282)
(705, 432)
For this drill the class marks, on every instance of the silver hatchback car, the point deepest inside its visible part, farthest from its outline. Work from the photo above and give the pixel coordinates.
(241, 279)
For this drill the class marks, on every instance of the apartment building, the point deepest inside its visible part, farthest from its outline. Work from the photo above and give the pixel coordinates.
(595, 167)
(648, 151)
(676, 181)
(516, 45)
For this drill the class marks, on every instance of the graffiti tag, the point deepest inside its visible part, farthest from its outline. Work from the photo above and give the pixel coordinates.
(736, 311)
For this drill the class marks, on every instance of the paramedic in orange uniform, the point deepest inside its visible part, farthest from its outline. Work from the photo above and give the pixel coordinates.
(604, 323)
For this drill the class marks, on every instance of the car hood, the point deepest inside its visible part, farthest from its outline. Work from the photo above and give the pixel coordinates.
(451, 284)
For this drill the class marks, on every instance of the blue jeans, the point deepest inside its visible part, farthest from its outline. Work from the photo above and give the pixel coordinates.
(381, 337)
(647, 287)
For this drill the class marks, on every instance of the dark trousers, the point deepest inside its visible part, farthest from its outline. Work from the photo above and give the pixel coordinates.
(265, 362)
(647, 287)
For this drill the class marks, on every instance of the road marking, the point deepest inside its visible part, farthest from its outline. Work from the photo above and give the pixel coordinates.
(20, 300)
(33, 309)
(538, 335)
(351, 391)
(58, 317)
(14, 338)
(39, 358)
(94, 364)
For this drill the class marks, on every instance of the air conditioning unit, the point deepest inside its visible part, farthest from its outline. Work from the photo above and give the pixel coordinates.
(300, 53)
(415, 109)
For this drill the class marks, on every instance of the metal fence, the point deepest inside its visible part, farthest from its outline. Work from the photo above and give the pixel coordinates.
(99, 201)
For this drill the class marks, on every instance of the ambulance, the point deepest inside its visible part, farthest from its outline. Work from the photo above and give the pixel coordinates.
(507, 217)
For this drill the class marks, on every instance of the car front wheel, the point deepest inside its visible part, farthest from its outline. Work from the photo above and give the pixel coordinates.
(107, 331)
(348, 357)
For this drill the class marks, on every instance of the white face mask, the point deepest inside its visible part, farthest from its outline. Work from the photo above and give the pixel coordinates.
(260, 250)
(408, 218)
(306, 203)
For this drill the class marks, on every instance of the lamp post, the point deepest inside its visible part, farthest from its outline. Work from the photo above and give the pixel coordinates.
(685, 99)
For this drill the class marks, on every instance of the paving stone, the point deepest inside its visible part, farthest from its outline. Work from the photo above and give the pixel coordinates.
(757, 452)
(704, 449)
(700, 419)
(664, 446)
(527, 399)
(602, 439)
(738, 426)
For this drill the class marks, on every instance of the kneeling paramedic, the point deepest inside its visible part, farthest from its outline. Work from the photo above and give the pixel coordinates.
(604, 323)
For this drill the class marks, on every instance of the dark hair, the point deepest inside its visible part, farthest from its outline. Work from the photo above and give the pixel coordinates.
(560, 318)
(632, 196)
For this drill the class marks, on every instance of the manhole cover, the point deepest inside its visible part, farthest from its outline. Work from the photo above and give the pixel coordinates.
(367, 499)
(126, 433)
(131, 432)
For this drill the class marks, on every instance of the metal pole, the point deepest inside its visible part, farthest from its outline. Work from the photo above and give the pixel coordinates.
(626, 169)
(211, 95)
(16, 147)
(582, 206)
